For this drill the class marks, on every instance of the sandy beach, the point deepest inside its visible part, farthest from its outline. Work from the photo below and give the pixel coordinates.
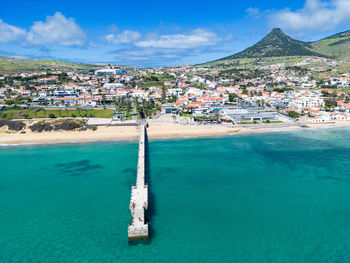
(155, 131)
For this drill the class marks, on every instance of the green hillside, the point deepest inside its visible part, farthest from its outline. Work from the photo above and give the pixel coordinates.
(8, 65)
(336, 46)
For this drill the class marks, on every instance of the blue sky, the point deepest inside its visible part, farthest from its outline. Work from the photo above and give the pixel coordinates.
(155, 33)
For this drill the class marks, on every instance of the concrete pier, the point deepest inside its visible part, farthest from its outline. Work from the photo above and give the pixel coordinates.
(138, 227)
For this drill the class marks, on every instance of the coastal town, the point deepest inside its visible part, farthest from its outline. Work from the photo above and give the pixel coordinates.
(186, 131)
(196, 95)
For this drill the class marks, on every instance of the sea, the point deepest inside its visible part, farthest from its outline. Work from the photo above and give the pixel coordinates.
(275, 197)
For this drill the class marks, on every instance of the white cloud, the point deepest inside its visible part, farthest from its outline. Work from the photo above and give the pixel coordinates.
(195, 39)
(10, 33)
(57, 29)
(253, 12)
(126, 36)
(315, 16)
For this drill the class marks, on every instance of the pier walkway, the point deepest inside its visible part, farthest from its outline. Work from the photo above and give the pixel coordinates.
(138, 227)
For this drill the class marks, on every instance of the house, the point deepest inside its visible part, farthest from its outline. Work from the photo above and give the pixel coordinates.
(169, 108)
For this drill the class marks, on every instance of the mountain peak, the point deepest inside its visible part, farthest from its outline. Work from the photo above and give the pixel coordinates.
(277, 30)
(276, 44)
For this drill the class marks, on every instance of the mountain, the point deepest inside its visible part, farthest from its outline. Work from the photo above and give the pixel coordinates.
(336, 46)
(276, 44)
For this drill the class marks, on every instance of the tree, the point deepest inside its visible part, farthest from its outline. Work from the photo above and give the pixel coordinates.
(137, 106)
(320, 82)
(293, 114)
(172, 99)
(330, 103)
(230, 97)
(163, 94)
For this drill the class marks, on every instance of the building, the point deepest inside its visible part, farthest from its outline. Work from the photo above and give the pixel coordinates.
(169, 108)
(110, 71)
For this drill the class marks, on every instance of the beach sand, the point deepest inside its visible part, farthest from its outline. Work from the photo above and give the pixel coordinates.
(155, 131)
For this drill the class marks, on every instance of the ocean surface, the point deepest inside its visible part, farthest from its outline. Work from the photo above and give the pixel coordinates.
(278, 197)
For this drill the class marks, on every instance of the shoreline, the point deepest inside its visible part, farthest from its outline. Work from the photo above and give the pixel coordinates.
(155, 132)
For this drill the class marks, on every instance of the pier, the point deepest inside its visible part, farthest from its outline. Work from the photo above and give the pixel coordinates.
(138, 228)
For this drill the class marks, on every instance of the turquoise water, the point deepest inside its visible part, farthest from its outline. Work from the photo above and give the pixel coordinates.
(258, 198)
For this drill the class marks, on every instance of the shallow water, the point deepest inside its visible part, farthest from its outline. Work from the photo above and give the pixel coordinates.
(254, 198)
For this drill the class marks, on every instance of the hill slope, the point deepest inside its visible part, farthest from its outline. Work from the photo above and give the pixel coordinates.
(276, 44)
(14, 64)
(336, 46)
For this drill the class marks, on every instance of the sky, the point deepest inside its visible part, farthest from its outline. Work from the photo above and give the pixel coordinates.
(157, 33)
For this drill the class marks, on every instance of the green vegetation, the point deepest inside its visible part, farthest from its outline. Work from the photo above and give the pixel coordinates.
(293, 114)
(154, 81)
(18, 113)
(18, 100)
(336, 46)
(185, 114)
(247, 122)
(252, 62)
(238, 74)
(330, 103)
(150, 107)
(28, 65)
(257, 122)
(268, 121)
(282, 89)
